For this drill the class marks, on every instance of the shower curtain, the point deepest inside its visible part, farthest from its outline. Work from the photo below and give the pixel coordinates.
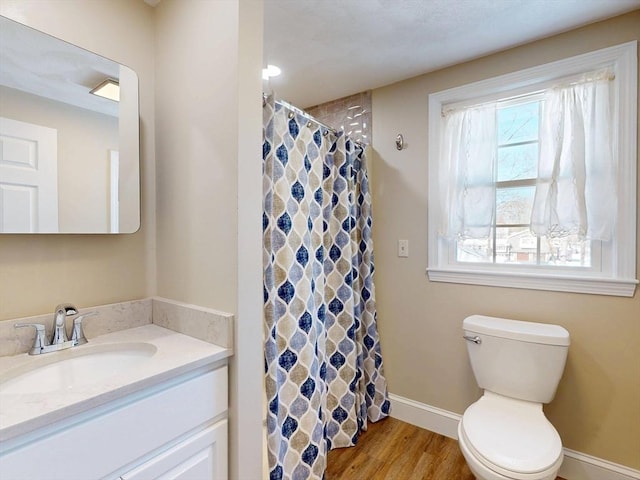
(323, 364)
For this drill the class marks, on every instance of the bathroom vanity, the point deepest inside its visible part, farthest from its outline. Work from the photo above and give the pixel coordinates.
(156, 407)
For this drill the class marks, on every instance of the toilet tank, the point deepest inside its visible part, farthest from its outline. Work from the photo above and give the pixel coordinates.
(523, 360)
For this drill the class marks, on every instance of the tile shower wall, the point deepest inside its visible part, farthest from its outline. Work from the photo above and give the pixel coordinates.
(351, 114)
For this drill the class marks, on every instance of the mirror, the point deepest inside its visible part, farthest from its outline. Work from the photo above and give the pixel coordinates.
(69, 159)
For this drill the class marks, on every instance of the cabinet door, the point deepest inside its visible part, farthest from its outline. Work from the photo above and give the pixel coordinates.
(200, 457)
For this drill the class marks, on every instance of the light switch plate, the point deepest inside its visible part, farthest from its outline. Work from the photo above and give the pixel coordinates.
(403, 248)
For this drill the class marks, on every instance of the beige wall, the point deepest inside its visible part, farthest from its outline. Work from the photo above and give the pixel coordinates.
(597, 407)
(208, 61)
(39, 271)
(246, 383)
(196, 132)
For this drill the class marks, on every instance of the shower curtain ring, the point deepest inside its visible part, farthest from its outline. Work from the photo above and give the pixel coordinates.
(399, 142)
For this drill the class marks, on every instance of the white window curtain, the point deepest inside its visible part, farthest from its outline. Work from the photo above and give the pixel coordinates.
(467, 179)
(576, 188)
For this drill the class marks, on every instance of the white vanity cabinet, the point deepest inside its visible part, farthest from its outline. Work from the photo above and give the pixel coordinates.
(201, 457)
(175, 429)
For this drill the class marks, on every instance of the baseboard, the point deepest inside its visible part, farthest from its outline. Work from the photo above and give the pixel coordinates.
(576, 465)
(425, 416)
(580, 466)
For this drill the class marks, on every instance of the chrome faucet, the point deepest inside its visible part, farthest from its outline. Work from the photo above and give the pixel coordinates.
(59, 332)
(59, 339)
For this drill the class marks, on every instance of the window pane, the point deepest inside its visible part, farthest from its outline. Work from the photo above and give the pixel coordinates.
(475, 250)
(567, 251)
(516, 245)
(518, 123)
(513, 205)
(518, 162)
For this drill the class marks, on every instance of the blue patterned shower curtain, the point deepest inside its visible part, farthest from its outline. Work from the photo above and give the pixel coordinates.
(322, 353)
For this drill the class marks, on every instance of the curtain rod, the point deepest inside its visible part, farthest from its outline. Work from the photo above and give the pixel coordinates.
(537, 89)
(306, 115)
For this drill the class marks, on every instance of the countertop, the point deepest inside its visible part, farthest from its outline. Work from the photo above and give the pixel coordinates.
(176, 355)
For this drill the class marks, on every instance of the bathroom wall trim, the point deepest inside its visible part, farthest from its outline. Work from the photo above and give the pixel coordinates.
(580, 465)
(576, 465)
(422, 415)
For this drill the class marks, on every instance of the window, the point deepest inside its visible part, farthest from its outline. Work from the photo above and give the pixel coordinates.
(516, 163)
(505, 206)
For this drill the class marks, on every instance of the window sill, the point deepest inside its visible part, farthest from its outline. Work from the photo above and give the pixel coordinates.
(555, 283)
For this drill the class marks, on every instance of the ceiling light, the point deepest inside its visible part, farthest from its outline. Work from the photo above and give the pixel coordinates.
(270, 71)
(110, 89)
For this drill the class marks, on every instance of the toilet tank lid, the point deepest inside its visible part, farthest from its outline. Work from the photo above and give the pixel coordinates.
(517, 330)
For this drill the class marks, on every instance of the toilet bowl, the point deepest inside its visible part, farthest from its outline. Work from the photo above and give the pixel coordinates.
(505, 434)
(508, 439)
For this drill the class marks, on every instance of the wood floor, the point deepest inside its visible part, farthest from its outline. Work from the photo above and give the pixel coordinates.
(394, 450)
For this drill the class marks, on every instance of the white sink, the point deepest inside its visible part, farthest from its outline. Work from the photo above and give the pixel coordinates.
(74, 368)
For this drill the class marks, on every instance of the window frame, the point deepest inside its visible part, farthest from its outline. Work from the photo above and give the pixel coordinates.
(617, 258)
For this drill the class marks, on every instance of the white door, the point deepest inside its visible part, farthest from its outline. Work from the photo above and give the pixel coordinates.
(114, 200)
(28, 177)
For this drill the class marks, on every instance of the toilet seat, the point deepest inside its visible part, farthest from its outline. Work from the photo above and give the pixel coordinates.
(511, 437)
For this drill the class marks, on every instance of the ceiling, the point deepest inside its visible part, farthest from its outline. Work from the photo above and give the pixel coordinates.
(37, 63)
(329, 49)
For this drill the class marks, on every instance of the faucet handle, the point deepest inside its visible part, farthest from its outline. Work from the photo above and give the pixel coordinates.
(59, 333)
(40, 342)
(77, 335)
(66, 309)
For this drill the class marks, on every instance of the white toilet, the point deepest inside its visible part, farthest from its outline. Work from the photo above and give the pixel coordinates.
(505, 435)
